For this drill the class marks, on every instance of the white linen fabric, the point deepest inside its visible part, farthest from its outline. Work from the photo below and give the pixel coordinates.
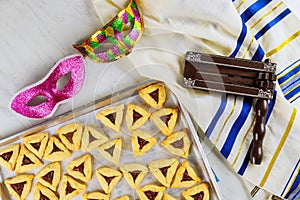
(252, 29)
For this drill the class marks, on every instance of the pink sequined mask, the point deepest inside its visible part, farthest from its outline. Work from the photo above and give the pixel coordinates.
(47, 88)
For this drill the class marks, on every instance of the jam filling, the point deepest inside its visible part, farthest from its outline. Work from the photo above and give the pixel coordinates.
(48, 177)
(186, 176)
(7, 156)
(36, 145)
(151, 195)
(135, 174)
(69, 136)
(69, 189)
(178, 144)
(80, 168)
(154, 95)
(18, 187)
(198, 196)
(55, 148)
(91, 137)
(43, 197)
(142, 142)
(136, 116)
(110, 150)
(108, 178)
(111, 117)
(166, 118)
(164, 170)
(26, 161)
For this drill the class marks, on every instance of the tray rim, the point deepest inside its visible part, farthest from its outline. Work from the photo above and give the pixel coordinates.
(202, 153)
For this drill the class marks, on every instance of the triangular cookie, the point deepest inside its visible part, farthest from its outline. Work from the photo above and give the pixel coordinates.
(56, 151)
(70, 135)
(123, 198)
(136, 116)
(27, 161)
(168, 197)
(92, 139)
(70, 188)
(81, 168)
(200, 191)
(151, 192)
(111, 150)
(178, 143)
(95, 196)
(112, 117)
(108, 178)
(185, 176)
(9, 155)
(164, 170)
(165, 119)
(50, 175)
(19, 186)
(43, 193)
(134, 173)
(141, 142)
(37, 143)
(154, 95)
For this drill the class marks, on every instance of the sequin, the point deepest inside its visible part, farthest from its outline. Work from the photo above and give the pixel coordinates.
(47, 88)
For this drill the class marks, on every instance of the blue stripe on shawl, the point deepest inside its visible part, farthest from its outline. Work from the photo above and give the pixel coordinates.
(291, 84)
(246, 160)
(293, 93)
(217, 116)
(285, 69)
(295, 99)
(253, 9)
(295, 168)
(289, 74)
(235, 129)
(294, 186)
(272, 23)
(239, 41)
(259, 54)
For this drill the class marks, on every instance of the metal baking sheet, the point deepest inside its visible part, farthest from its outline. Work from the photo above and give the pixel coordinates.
(86, 116)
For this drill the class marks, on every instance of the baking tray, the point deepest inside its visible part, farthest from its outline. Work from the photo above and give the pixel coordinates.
(86, 116)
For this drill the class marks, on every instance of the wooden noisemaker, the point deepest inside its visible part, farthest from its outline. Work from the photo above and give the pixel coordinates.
(239, 77)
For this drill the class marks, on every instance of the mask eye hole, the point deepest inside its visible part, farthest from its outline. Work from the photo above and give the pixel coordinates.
(127, 28)
(37, 100)
(63, 81)
(104, 47)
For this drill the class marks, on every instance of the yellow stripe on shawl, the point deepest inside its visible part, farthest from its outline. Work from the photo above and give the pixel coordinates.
(265, 15)
(291, 182)
(283, 83)
(295, 96)
(246, 52)
(254, 191)
(286, 93)
(288, 70)
(228, 117)
(240, 4)
(243, 141)
(279, 147)
(283, 44)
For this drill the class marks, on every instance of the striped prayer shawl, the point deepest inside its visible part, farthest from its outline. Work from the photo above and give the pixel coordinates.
(268, 29)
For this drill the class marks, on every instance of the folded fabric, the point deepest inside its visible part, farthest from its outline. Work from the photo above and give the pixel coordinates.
(245, 29)
(258, 193)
